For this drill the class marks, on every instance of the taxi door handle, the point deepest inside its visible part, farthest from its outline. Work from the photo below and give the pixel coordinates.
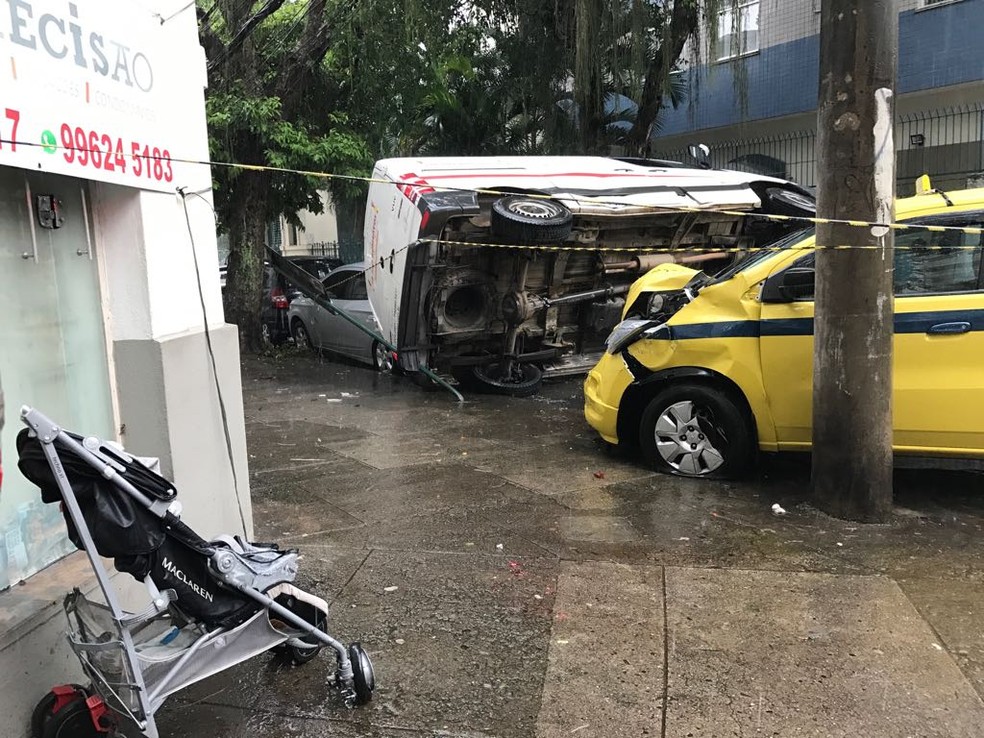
(948, 328)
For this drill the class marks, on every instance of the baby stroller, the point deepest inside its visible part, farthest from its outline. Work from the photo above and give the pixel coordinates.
(213, 603)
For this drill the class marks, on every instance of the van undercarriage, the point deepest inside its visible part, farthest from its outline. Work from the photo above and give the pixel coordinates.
(492, 307)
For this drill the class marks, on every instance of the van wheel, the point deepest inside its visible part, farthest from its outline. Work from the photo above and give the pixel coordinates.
(781, 201)
(694, 430)
(523, 380)
(529, 220)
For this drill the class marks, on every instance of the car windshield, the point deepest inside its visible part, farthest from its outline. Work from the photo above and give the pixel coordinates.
(758, 255)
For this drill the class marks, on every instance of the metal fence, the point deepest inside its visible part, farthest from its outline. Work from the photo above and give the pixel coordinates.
(947, 144)
(327, 249)
(345, 251)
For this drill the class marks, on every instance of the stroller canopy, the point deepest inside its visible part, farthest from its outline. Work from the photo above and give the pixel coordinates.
(120, 526)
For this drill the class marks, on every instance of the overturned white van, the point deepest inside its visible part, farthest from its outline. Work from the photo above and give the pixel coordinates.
(498, 270)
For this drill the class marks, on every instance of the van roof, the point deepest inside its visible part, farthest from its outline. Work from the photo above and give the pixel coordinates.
(616, 185)
(575, 168)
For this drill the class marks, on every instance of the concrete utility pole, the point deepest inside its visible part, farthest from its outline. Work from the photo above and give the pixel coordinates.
(852, 362)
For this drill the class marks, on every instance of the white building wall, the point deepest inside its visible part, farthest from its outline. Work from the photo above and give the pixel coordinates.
(165, 387)
(316, 228)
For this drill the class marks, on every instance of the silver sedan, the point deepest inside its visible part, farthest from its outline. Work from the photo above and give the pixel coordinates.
(314, 327)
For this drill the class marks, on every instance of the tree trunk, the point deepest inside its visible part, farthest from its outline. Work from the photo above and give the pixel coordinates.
(244, 278)
(684, 22)
(246, 220)
(852, 366)
(588, 93)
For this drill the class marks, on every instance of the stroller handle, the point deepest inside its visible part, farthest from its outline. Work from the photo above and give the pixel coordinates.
(51, 433)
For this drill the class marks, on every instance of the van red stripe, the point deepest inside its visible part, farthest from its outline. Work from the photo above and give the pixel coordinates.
(530, 175)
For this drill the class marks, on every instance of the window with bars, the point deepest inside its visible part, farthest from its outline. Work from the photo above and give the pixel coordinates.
(737, 33)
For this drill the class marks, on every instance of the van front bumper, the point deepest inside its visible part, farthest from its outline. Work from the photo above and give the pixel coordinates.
(603, 390)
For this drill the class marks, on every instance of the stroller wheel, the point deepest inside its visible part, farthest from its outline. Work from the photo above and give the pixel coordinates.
(53, 702)
(363, 676)
(76, 721)
(301, 654)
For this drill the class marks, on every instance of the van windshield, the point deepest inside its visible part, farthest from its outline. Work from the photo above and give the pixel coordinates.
(756, 256)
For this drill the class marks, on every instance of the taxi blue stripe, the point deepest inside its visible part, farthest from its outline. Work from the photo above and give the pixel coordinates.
(918, 322)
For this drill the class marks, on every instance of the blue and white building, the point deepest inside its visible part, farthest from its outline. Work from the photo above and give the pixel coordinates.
(753, 92)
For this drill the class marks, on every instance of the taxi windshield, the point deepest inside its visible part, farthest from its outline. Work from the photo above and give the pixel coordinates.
(757, 255)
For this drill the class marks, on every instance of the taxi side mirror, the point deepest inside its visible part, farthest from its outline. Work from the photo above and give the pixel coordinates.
(793, 285)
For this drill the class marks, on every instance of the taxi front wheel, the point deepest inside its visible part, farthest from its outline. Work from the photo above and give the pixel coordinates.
(695, 430)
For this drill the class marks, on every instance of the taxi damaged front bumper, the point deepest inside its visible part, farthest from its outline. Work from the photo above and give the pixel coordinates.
(603, 390)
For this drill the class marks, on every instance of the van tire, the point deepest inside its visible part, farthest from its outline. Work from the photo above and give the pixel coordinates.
(530, 220)
(526, 380)
(692, 429)
(783, 201)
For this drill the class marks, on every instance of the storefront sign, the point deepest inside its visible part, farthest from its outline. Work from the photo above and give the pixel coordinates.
(92, 89)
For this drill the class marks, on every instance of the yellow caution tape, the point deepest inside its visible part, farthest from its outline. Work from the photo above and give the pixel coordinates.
(684, 249)
(968, 230)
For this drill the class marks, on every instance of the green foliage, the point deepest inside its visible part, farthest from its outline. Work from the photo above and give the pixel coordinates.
(256, 127)
(331, 85)
(254, 118)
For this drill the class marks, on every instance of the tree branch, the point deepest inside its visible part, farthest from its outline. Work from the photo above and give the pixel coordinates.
(271, 7)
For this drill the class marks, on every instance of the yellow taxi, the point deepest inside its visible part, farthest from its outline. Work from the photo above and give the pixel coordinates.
(703, 371)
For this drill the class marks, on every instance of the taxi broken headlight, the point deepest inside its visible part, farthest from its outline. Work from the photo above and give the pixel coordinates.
(628, 332)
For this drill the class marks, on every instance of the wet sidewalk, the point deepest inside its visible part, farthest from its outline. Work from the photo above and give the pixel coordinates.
(510, 577)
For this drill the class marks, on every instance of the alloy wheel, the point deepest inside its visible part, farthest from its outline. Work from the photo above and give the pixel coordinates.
(683, 442)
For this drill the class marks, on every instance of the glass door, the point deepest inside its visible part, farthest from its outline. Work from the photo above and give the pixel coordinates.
(52, 349)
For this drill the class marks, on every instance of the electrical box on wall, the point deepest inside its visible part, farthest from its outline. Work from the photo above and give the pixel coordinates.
(49, 210)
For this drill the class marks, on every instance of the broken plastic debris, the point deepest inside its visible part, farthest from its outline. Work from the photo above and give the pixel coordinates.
(683, 538)
(390, 589)
(498, 547)
(537, 597)
(778, 509)
(599, 475)
(399, 641)
(839, 543)
(937, 646)
(333, 399)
